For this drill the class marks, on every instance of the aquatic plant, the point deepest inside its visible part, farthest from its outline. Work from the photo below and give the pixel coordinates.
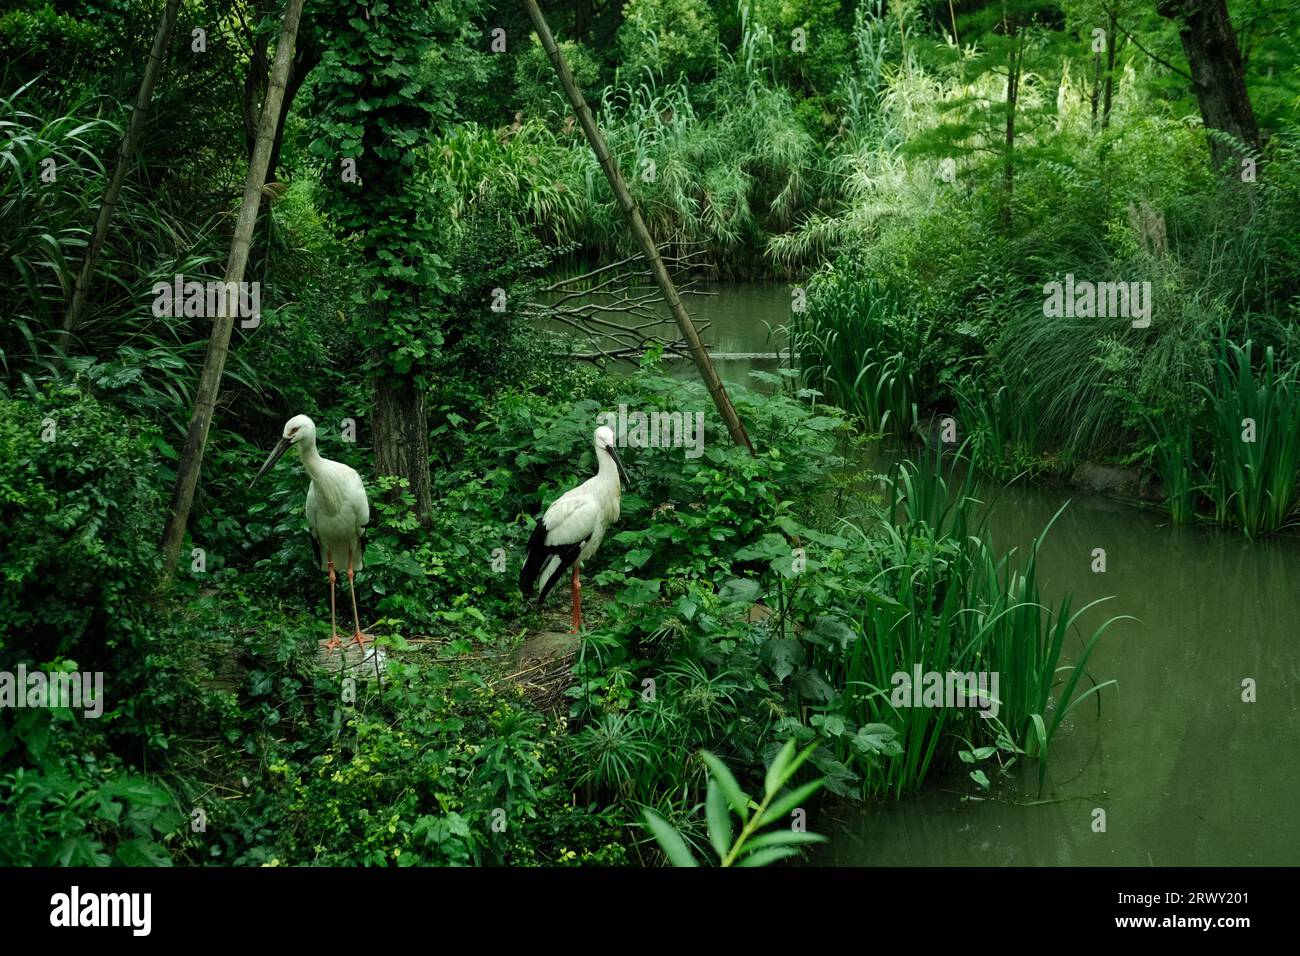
(1255, 431)
(948, 603)
(1001, 436)
(855, 346)
(1174, 458)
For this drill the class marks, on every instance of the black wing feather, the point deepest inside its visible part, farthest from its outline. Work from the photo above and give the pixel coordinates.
(316, 548)
(539, 552)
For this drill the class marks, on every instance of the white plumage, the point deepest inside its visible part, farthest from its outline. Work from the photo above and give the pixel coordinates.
(574, 525)
(337, 512)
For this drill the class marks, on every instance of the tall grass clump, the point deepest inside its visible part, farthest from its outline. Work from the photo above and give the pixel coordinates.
(947, 602)
(1174, 459)
(46, 210)
(855, 346)
(1001, 436)
(1022, 638)
(1255, 435)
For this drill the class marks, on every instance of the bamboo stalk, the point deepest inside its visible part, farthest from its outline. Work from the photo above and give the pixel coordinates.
(205, 399)
(130, 140)
(648, 248)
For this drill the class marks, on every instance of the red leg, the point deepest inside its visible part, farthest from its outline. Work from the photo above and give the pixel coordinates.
(356, 621)
(577, 601)
(334, 641)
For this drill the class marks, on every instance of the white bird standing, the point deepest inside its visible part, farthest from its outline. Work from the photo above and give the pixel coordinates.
(572, 528)
(337, 513)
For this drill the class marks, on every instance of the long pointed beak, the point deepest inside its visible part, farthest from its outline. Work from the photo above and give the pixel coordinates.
(281, 447)
(618, 463)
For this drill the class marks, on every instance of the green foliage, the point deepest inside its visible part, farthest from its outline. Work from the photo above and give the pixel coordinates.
(855, 347)
(749, 847)
(807, 41)
(1255, 430)
(79, 520)
(667, 38)
(1175, 463)
(538, 88)
(748, 606)
(386, 79)
(79, 517)
(73, 811)
(442, 773)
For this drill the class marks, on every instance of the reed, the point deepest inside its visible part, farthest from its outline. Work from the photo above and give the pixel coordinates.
(1174, 459)
(1255, 435)
(856, 347)
(1000, 434)
(947, 601)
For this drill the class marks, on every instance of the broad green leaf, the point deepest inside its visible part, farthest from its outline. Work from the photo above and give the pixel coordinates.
(730, 789)
(669, 840)
(776, 772)
(780, 838)
(739, 591)
(790, 801)
(719, 820)
(767, 855)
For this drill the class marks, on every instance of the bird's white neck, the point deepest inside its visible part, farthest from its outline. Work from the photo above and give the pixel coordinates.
(607, 470)
(324, 475)
(312, 462)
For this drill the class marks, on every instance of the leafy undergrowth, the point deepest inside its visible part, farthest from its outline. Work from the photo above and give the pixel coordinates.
(730, 610)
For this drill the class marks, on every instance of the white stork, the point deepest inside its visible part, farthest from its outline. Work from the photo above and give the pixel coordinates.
(571, 529)
(337, 513)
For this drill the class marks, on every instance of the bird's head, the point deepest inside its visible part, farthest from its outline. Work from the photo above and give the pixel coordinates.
(604, 442)
(299, 430)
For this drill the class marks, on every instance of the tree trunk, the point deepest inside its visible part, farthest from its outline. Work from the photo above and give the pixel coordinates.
(130, 140)
(581, 19)
(1218, 78)
(1008, 157)
(648, 248)
(1110, 75)
(205, 399)
(1096, 86)
(305, 59)
(402, 436)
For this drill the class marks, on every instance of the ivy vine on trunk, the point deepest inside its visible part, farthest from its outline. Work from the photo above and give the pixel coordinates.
(388, 79)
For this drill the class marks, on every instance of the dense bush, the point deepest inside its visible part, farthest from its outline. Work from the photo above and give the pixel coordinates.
(79, 519)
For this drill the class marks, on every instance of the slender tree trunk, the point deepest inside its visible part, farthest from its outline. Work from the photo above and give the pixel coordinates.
(1008, 157)
(1110, 75)
(1096, 86)
(402, 436)
(130, 140)
(648, 248)
(581, 19)
(305, 59)
(1218, 78)
(205, 398)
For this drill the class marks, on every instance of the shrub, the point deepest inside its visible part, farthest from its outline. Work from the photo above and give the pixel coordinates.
(668, 38)
(79, 518)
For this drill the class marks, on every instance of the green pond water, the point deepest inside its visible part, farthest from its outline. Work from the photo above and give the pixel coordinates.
(1186, 772)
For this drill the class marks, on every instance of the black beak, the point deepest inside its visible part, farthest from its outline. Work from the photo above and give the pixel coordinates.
(281, 447)
(618, 463)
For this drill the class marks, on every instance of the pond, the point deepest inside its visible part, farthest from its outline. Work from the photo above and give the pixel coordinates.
(1186, 772)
